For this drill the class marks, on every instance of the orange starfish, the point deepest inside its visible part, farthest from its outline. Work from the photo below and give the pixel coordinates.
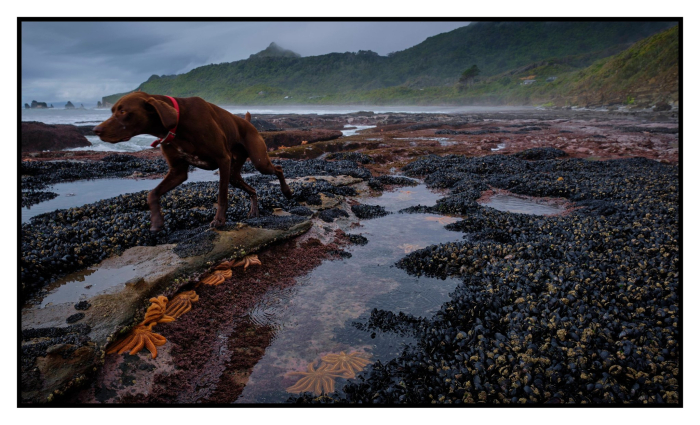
(226, 265)
(213, 279)
(225, 273)
(139, 337)
(318, 381)
(156, 312)
(181, 304)
(248, 260)
(348, 364)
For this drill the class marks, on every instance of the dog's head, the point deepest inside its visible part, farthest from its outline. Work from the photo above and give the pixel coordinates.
(137, 113)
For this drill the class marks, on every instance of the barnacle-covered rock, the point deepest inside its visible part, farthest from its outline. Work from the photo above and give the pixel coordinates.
(581, 308)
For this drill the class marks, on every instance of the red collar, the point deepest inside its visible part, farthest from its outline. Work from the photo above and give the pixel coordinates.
(171, 133)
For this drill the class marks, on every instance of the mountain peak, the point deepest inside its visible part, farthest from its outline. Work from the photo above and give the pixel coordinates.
(275, 51)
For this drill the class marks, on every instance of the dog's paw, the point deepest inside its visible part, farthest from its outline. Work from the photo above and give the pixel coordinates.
(217, 223)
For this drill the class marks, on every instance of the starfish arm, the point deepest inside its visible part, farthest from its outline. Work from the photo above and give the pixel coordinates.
(298, 387)
(157, 339)
(181, 308)
(166, 319)
(358, 365)
(133, 341)
(223, 266)
(328, 385)
(331, 358)
(184, 309)
(141, 342)
(120, 344)
(349, 374)
(238, 263)
(174, 308)
(317, 386)
(151, 348)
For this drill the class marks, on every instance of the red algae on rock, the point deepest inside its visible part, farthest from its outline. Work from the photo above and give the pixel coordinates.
(213, 348)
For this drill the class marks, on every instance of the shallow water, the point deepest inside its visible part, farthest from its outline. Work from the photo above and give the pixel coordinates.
(314, 318)
(74, 194)
(353, 131)
(519, 205)
(86, 283)
(137, 143)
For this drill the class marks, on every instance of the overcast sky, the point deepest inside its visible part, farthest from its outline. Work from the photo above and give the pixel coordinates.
(83, 61)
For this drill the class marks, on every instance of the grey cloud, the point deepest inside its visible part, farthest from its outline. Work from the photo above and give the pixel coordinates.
(83, 61)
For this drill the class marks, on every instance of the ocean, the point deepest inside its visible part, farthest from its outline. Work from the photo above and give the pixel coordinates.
(137, 143)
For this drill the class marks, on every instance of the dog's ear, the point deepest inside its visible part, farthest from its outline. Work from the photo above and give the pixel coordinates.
(167, 114)
(247, 116)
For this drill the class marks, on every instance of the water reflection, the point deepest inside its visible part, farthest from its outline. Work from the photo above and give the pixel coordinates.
(520, 205)
(315, 318)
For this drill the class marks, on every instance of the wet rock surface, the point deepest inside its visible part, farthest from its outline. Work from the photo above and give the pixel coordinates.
(51, 367)
(30, 198)
(37, 136)
(357, 239)
(285, 139)
(190, 242)
(364, 211)
(352, 156)
(331, 214)
(187, 370)
(579, 308)
(540, 154)
(380, 183)
(63, 241)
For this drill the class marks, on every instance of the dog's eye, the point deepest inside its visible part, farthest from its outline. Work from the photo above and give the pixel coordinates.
(123, 112)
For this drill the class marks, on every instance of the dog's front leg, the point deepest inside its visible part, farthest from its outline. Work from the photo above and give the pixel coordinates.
(175, 176)
(224, 174)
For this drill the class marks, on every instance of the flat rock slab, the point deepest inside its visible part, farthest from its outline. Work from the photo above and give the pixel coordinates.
(62, 341)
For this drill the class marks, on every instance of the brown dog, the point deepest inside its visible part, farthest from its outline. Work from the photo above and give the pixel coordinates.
(206, 136)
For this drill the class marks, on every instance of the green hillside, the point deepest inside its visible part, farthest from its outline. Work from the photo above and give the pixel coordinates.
(425, 73)
(496, 47)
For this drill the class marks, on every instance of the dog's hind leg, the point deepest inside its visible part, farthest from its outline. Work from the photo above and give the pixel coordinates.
(237, 181)
(262, 163)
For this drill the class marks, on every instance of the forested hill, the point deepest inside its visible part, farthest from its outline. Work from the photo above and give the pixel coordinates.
(495, 47)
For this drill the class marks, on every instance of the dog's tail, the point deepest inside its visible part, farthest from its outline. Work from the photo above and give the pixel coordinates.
(247, 116)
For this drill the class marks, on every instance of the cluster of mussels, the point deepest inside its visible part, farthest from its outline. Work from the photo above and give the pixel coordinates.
(63, 241)
(378, 183)
(38, 175)
(352, 156)
(575, 309)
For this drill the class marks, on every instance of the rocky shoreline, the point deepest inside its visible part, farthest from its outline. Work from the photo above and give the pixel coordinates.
(579, 308)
